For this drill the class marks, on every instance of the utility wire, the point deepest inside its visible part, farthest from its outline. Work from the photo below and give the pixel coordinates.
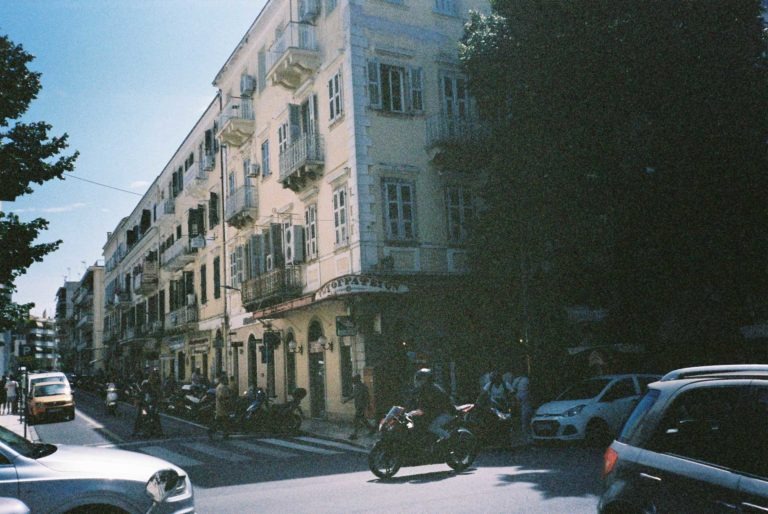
(68, 175)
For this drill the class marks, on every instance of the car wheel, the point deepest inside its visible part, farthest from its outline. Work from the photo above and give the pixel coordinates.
(97, 509)
(597, 434)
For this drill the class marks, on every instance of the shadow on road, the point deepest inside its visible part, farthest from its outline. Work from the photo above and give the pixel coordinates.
(422, 478)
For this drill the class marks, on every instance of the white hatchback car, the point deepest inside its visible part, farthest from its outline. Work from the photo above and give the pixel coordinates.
(593, 409)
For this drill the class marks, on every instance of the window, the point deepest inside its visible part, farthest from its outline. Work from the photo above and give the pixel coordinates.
(236, 266)
(213, 210)
(203, 285)
(398, 210)
(624, 388)
(310, 221)
(446, 7)
(460, 213)
(217, 277)
(340, 215)
(265, 172)
(231, 183)
(335, 106)
(393, 88)
(330, 5)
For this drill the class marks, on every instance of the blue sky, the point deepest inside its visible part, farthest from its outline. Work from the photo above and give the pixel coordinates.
(126, 79)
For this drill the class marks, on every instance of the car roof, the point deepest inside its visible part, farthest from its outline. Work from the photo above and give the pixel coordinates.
(623, 375)
(725, 370)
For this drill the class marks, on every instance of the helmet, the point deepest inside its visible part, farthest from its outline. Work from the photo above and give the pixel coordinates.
(422, 377)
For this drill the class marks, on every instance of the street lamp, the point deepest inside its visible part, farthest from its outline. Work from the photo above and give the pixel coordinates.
(325, 343)
(293, 347)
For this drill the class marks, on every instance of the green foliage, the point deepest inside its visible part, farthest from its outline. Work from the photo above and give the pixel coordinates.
(27, 155)
(628, 167)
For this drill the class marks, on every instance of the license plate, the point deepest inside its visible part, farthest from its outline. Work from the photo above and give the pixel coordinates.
(53, 411)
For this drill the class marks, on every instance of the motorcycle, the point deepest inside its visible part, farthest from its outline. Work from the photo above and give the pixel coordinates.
(491, 422)
(402, 444)
(111, 399)
(261, 415)
(198, 402)
(149, 418)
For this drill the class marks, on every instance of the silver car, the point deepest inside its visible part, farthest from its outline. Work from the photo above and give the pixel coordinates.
(52, 478)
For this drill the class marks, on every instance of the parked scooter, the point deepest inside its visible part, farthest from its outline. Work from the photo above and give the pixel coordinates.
(111, 398)
(402, 444)
(259, 415)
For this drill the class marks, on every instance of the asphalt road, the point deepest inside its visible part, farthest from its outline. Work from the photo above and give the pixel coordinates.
(247, 474)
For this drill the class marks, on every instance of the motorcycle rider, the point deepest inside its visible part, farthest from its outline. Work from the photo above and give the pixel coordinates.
(149, 396)
(496, 394)
(433, 402)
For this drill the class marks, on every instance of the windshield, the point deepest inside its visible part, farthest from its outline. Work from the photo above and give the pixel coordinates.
(23, 446)
(54, 378)
(585, 389)
(50, 390)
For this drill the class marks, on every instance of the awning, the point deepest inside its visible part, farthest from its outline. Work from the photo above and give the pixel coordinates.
(358, 284)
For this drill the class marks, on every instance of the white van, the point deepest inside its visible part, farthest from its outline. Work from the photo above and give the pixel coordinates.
(49, 376)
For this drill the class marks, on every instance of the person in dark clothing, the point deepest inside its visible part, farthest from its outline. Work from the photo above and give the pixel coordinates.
(361, 397)
(435, 404)
(147, 405)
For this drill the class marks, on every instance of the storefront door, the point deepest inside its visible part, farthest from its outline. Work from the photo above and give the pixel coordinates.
(317, 384)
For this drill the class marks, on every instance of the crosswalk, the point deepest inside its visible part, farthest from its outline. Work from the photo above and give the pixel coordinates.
(192, 453)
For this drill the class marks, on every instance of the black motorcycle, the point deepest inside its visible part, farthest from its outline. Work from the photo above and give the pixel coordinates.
(258, 414)
(490, 421)
(148, 422)
(402, 444)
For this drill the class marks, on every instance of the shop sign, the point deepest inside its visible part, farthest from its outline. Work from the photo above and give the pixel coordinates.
(345, 326)
(357, 284)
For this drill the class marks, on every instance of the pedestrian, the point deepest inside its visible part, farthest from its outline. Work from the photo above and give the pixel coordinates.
(3, 393)
(361, 397)
(223, 406)
(522, 390)
(11, 389)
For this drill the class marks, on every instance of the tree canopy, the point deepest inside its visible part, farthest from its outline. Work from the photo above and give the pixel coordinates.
(627, 170)
(27, 155)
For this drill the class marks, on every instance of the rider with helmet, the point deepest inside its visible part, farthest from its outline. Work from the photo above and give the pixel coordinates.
(435, 405)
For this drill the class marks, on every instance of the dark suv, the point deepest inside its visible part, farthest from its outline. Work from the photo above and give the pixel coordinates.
(697, 442)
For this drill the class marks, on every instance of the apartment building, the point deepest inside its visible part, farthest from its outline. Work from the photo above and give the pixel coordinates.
(65, 323)
(34, 344)
(88, 318)
(312, 224)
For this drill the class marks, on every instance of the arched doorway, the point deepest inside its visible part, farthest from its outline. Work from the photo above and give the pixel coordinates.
(316, 372)
(252, 362)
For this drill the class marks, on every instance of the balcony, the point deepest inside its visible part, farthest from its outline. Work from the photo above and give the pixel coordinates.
(155, 327)
(268, 288)
(303, 159)
(178, 255)
(146, 281)
(121, 300)
(84, 321)
(448, 135)
(181, 318)
(195, 179)
(237, 121)
(242, 207)
(294, 56)
(209, 161)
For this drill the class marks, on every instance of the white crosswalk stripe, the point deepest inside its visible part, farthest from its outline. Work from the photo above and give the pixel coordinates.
(333, 444)
(297, 446)
(217, 452)
(262, 449)
(176, 458)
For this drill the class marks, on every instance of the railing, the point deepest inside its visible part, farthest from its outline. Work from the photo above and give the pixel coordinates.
(295, 35)
(178, 249)
(237, 108)
(209, 160)
(182, 316)
(195, 172)
(447, 128)
(245, 198)
(287, 281)
(307, 148)
(169, 206)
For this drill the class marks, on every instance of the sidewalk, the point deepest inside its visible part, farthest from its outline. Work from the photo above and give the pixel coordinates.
(338, 430)
(12, 423)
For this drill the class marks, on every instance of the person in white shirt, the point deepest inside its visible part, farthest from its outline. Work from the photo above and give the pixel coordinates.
(11, 389)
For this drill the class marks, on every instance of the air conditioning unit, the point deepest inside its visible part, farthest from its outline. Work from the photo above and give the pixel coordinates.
(190, 299)
(247, 84)
(269, 263)
(294, 244)
(254, 170)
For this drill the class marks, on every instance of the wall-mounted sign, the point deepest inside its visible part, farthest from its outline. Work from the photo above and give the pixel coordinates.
(345, 326)
(357, 284)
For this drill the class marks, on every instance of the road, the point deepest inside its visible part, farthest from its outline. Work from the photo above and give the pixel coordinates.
(309, 474)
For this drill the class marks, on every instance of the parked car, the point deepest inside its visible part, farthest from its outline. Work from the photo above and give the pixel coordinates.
(50, 399)
(49, 376)
(696, 442)
(593, 409)
(56, 479)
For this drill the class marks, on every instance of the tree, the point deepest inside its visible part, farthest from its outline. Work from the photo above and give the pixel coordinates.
(27, 155)
(628, 164)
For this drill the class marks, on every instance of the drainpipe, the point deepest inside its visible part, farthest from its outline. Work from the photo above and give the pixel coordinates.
(225, 331)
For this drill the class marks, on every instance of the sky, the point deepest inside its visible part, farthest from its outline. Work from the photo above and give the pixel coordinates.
(126, 80)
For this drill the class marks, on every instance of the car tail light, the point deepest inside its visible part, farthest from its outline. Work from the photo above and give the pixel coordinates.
(610, 458)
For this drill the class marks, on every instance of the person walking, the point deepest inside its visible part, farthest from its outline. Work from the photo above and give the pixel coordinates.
(11, 389)
(521, 388)
(361, 397)
(223, 406)
(3, 394)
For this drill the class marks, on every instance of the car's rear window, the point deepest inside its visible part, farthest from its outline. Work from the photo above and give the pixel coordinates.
(638, 414)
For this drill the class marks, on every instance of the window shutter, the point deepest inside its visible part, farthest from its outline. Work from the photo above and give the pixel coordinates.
(415, 90)
(295, 122)
(374, 84)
